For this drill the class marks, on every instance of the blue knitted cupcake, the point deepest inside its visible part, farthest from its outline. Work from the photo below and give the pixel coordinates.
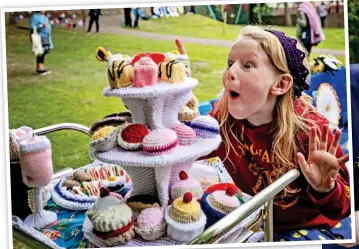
(218, 204)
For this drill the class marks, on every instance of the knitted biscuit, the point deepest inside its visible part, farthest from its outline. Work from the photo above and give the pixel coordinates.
(160, 141)
(115, 119)
(130, 136)
(172, 72)
(140, 202)
(185, 219)
(146, 71)
(193, 103)
(205, 126)
(151, 224)
(81, 176)
(186, 135)
(104, 139)
(219, 203)
(184, 185)
(69, 184)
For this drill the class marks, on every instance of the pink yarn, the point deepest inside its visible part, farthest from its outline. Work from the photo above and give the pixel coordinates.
(186, 134)
(36, 162)
(150, 217)
(146, 72)
(160, 141)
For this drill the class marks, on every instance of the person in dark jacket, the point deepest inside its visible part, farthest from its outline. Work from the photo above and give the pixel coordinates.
(94, 15)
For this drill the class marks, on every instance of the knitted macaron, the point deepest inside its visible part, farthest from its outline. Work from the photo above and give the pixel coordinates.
(140, 202)
(151, 224)
(115, 119)
(205, 126)
(219, 203)
(186, 135)
(185, 219)
(112, 220)
(160, 141)
(104, 139)
(184, 185)
(130, 136)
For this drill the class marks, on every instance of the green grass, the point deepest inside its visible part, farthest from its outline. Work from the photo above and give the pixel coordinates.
(73, 92)
(205, 27)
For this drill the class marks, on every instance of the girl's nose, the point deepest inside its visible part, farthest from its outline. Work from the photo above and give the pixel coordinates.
(231, 75)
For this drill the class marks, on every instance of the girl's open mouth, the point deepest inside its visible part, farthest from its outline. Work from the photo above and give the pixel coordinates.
(233, 95)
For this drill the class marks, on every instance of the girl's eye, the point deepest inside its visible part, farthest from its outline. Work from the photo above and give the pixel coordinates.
(229, 64)
(248, 65)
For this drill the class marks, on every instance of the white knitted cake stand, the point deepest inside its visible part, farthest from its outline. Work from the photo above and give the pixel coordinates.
(157, 107)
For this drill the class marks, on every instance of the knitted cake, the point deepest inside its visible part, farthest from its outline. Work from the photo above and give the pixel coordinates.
(104, 139)
(206, 175)
(140, 202)
(185, 219)
(186, 135)
(190, 111)
(219, 203)
(130, 136)
(185, 185)
(115, 119)
(151, 224)
(112, 220)
(171, 71)
(146, 71)
(205, 126)
(160, 141)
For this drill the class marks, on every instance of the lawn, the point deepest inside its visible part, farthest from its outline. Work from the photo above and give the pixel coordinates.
(205, 27)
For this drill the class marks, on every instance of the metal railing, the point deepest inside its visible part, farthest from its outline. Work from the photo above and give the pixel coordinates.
(211, 234)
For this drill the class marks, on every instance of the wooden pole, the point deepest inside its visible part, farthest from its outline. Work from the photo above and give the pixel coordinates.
(224, 22)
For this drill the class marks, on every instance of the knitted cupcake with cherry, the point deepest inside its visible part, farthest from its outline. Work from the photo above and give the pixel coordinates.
(185, 219)
(151, 224)
(184, 185)
(111, 219)
(219, 203)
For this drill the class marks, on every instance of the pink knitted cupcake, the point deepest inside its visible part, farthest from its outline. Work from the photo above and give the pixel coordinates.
(151, 224)
(186, 135)
(146, 71)
(160, 141)
(185, 185)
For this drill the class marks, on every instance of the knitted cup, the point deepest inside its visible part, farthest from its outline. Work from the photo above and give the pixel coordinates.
(36, 161)
(146, 71)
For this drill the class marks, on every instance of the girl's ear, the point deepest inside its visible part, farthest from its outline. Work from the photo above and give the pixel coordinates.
(283, 85)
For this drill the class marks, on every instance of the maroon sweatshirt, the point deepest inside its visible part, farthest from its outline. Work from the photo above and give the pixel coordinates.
(252, 172)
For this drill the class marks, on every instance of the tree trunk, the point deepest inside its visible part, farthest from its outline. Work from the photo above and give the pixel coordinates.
(288, 16)
(259, 13)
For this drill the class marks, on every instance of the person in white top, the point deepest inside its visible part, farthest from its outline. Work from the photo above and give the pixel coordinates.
(323, 12)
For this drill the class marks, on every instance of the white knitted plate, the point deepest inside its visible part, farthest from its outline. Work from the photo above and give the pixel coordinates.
(164, 241)
(159, 89)
(201, 147)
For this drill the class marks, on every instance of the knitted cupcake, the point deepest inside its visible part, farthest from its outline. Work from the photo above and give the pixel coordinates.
(186, 135)
(160, 141)
(146, 71)
(219, 203)
(185, 219)
(130, 136)
(151, 224)
(115, 119)
(185, 185)
(104, 139)
(112, 220)
(189, 111)
(205, 126)
(140, 202)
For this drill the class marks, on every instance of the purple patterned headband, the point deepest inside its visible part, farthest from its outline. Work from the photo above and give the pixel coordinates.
(295, 59)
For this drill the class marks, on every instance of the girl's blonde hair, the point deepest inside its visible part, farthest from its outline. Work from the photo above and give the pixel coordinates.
(287, 122)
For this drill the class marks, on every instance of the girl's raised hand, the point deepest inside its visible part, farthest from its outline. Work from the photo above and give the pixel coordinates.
(180, 47)
(322, 166)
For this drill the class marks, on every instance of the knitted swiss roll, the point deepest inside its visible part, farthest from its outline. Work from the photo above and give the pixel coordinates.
(151, 224)
(36, 161)
(218, 204)
(185, 219)
(104, 139)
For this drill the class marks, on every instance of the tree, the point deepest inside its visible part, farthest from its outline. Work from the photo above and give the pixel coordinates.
(288, 16)
(353, 18)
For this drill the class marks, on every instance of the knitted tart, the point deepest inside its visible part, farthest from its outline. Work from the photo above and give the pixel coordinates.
(185, 219)
(151, 224)
(160, 141)
(130, 136)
